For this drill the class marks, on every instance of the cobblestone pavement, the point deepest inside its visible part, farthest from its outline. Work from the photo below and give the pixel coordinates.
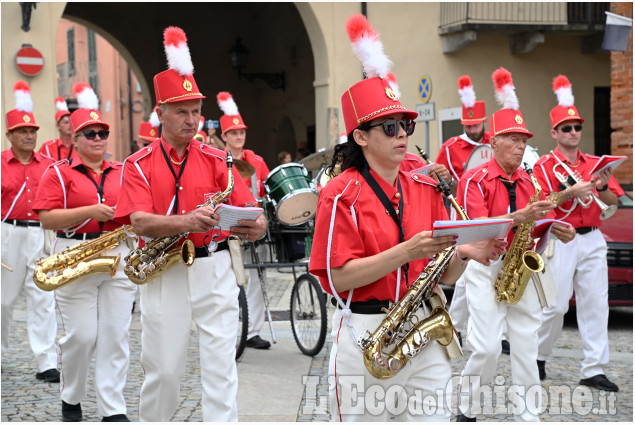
(25, 399)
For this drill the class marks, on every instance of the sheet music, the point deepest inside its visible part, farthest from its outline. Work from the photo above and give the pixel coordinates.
(607, 161)
(542, 230)
(470, 231)
(424, 171)
(230, 215)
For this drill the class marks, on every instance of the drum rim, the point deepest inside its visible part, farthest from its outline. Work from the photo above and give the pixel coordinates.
(288, 164)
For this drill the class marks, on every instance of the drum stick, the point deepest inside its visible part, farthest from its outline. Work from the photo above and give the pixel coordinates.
(7, 267)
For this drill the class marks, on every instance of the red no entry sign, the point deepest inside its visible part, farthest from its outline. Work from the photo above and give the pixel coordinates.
(29, 61)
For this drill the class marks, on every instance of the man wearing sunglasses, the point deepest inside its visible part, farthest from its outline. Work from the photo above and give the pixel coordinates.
(580, 266)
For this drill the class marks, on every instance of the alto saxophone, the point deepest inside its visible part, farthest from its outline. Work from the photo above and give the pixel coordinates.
(159, 254)
(80, 261)
(520, 262)
(401, 334)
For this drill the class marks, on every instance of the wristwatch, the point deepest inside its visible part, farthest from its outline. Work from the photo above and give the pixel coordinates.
(603, 189)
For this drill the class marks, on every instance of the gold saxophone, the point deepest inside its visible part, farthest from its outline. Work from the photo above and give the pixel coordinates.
(80, 261)
(401, 334)
(519, 262)
(159, 254)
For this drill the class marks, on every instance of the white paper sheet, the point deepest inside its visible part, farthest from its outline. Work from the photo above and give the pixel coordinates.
(470, 231)
(229, 215)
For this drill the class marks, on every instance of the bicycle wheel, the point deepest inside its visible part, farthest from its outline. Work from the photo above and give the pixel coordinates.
(243, 322)
(308, 314)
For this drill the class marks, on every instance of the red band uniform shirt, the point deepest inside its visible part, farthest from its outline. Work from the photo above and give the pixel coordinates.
(455, 152)
(262, 171)
(96, 309)
(56, 150)
(578, 266)
(22, 246)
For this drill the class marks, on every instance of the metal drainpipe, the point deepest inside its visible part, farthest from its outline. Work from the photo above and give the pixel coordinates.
(130, 111)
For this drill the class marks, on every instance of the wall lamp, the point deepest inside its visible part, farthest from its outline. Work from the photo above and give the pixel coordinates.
(238, 55)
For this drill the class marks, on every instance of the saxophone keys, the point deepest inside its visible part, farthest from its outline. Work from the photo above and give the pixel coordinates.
(394, 364)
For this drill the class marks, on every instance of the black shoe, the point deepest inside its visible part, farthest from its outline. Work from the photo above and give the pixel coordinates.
(116, 418)
(462, 418)
(460, 339)
(541, 369)
(600, 382)
(51, 375)
(257, 342)
(71, 412)
(505, 345)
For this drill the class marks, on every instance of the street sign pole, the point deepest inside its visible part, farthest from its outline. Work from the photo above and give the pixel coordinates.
(426, 114)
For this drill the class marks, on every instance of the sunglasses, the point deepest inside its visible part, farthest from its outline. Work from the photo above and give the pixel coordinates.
(391, 129)
(90, 134)
(568, 128)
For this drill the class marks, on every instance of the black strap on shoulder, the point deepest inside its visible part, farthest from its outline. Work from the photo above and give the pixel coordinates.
(59, 152)
(100, 187)
(381, 195)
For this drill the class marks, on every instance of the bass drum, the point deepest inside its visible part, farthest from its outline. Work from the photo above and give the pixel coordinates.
(292, 194)
(479, 156)
(530, 157)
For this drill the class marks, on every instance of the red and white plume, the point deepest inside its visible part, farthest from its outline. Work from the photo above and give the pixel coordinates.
(344, 137)
(466, 91)
(60, 104)
(201, 122)
(154, 119)
(86, 97)
(505, 91)
(176, 50)
(226, 103)
(23, 101)
(367, 46)
(562, 89)
(393, 83)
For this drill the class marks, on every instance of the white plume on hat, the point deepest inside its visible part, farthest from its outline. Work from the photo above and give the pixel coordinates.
(344, 137)
(562, 89)
(226, 103)
(466, 91)
(393, 84)
(154, 119)
(367, 46)
(23, 101)
(505, 91)
(86, 97)
(201, 122)
(60, 104)
(177, 52)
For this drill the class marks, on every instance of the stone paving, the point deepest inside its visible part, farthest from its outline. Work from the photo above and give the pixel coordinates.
(25, 399)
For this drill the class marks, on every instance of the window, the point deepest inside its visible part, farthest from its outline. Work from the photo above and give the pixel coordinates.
(70, 41)
(92, 60)
(449, 124)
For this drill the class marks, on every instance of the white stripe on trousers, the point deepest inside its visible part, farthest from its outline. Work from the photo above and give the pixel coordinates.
(207, 294)
(96, 313)
(21, 248)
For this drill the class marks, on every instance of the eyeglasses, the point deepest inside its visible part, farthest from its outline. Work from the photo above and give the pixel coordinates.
(568, 128)
(90, 134)
(391, 129)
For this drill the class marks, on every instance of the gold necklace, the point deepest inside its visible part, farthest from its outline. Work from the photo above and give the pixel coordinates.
(177, 162)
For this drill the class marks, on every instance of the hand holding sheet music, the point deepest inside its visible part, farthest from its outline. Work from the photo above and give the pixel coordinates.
(607, 161)
(230, 215)
(470, 231)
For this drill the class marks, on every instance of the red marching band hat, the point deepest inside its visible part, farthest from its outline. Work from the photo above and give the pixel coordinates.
(62, 109)
(231, 120)
(509, 119)
(473, 110)
(149, 131)
(88, 113)
(22, 115)
(201, 132)
(177, 83)
(565, 110)
(377, 95)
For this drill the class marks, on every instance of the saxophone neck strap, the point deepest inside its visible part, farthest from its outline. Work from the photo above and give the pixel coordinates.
(100, 187)
(175, 209)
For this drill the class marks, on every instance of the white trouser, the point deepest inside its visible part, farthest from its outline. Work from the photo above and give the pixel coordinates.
(485, 329)
(96, 313)
(458, 308)
(207, 294)
(580, 266)
(255, 300)
(21, 248)
(419, 387)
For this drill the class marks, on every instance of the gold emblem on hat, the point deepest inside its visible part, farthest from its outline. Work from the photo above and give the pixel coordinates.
(152, 133)
(26, 118)
(187, 85)
(94, 115)
(519, 119)
(571, 111)
(391, 94)
(236, 121)
(470, 113)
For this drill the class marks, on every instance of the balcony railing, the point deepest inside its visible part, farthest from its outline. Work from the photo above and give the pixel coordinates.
(456, 16)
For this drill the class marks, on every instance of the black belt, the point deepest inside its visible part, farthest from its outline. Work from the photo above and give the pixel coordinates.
(80, 236)
(365, 307)
(25, 223)
(201, 252)
(584, 230)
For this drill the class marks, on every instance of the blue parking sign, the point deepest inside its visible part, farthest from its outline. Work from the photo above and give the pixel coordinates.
(425, 88)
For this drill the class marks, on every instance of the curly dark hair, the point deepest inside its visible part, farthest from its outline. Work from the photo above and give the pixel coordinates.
(349, 154)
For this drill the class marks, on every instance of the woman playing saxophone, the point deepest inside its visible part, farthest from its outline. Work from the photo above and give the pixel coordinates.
(78, 199)
(372, 240)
